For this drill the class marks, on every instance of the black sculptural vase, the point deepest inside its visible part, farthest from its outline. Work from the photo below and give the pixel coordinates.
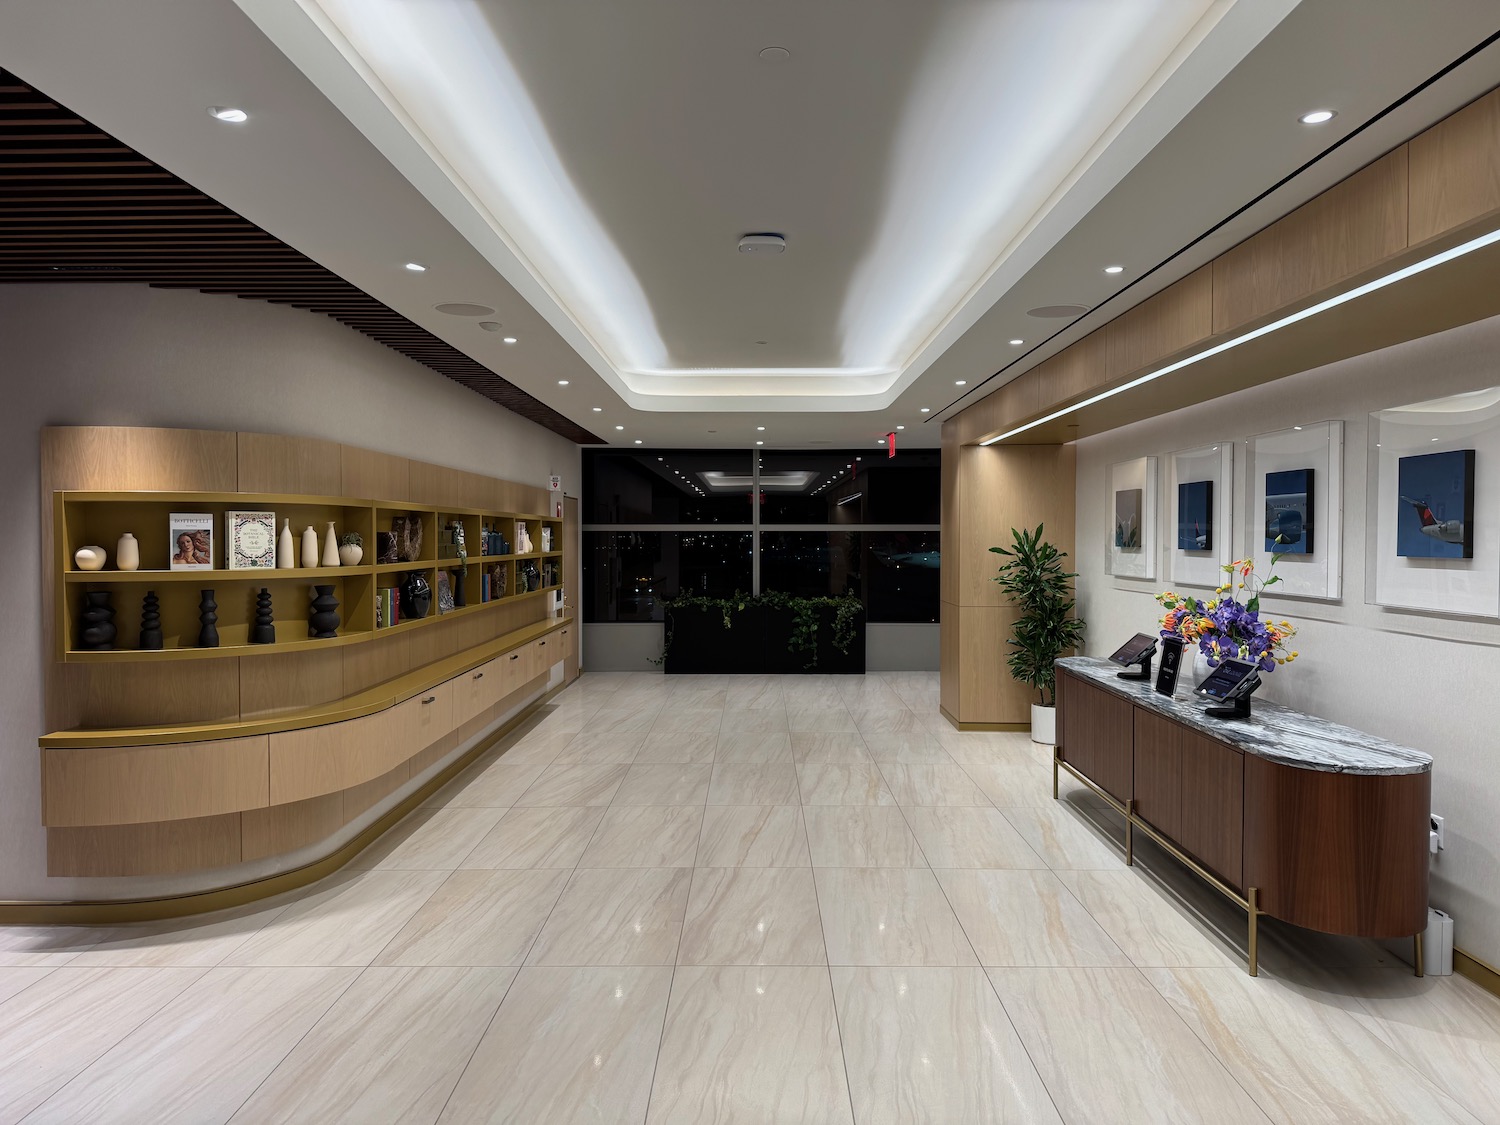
(151, 637)
(323, 615)
(263, 632)
(97, 622)
(416, 596)
(459, 598)
(208, 618)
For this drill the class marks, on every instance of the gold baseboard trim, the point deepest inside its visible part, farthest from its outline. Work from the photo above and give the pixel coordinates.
(1482, 973)
(107, 912)
(982, 726)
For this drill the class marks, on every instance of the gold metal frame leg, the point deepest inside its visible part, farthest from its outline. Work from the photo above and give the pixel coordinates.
(1130, 833)
(1254, 958)
(1054, 775)
(1418, 953)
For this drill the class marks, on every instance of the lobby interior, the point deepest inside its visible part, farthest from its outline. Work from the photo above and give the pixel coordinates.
(673, 407)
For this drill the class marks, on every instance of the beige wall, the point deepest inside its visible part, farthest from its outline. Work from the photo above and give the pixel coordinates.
(130, 355)
(1425, 681)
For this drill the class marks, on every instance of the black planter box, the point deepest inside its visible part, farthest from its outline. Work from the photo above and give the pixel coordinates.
(756, 643)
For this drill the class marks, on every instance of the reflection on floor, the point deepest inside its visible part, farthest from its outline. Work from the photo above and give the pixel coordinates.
(749, 899)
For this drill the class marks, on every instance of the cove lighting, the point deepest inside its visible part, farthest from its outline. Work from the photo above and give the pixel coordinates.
(416, 267)
(1318, 117)
(1358, 291)
(228, 113)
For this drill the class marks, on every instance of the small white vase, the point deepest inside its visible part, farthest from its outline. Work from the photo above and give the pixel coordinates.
(89, 558)
(350, 554)
(1044, 725)
(286, 548)
(330, 547)
(128, 553)
(309, 547)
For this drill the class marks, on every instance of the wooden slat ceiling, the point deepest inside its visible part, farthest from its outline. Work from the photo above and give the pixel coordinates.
(77, 205)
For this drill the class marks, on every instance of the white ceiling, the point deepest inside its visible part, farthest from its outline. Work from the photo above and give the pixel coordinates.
(669, 138)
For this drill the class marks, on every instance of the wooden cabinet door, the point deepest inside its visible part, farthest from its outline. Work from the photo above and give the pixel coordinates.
(1158, 772)
(1096, 734)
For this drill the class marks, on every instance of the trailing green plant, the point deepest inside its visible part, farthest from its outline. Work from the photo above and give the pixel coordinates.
(1034, 579)
(806, 620)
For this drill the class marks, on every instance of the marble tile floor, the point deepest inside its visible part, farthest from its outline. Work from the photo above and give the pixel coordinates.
(738, 899)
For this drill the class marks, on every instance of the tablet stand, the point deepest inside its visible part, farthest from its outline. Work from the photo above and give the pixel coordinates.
(1143, 666)
(1237, 706)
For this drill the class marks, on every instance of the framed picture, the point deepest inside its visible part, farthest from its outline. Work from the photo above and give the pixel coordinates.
(1131, 547)
(1294, 507)
(191, 541)
(1435, 505)
(1195, 516)
(1200, 491)
(1289, 512)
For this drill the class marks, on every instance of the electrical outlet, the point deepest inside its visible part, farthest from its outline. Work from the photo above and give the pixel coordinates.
(1438, 841)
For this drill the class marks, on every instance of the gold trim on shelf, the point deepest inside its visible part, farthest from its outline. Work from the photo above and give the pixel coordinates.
(99, 913)
(1481, 972)
(981, 726)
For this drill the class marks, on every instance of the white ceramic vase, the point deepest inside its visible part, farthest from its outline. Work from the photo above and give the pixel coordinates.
(309, 547)
(1044, 725)
(286, 548)
(350, 554)
(128, 553)
(330, 547)
(89, 558)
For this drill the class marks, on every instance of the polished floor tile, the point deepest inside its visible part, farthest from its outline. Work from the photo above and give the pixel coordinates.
(44, 945)
(18, 978)
(664, 785)
(1011, 779)
(860, 836)
(537, 837)
(1113, 1052)
(567, 1047)
(602, 748)
(616, 917)
(202, 940)
(766, 720)
(752, 836)
(497, 785)
(389, 1051)
(575, 785)
(934, 1047)
(753, 748)
(907, 749)
(1026, 918)
(752, 916)
(774, 784)
(688, 719)
(678, 749)
(646, 836)
(1147, 925)
(477, 918)
(1065, 841)
(751, 1046)
(968, 836)
(931, 785)
(888, 916)
(200, 1056)
(429, 840)
(843, 785)
(829, 748)
(822, 720)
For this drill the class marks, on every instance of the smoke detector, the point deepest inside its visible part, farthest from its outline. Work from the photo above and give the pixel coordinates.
(762, 244)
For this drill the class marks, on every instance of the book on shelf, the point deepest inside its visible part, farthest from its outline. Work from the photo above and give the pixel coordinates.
(250, 540)
(191, 540)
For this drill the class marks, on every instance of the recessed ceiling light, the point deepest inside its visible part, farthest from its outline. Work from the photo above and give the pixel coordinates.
(775, 54)
(960, 382)
(1017, 343)
(1318, 117)
(760, 443)
(598, 410)
(638, 441)
(619, 427)
(926, 410)
(416, 267)
(762, 244)
(510, 339)
(490, 325)
(228, 113)
(760, 427)
(1114, 269)
(659, 458)
(562, 382)
(900, 427)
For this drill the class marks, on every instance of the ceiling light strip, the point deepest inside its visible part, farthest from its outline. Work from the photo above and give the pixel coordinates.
(1402, 274)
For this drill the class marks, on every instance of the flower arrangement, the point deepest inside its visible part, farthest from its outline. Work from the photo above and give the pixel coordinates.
(1224, 627)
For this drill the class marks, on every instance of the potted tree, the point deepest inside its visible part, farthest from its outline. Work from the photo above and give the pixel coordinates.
(1034, 579)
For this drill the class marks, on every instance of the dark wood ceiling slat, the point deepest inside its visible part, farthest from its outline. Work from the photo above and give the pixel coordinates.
(109, 214)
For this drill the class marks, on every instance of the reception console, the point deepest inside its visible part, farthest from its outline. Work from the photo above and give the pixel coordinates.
(1291, 816)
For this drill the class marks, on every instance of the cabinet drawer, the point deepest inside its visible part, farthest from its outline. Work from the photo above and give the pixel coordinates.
(425, 718)
(1096, 735)
(514, 666)
(546, 651)
(476, 690)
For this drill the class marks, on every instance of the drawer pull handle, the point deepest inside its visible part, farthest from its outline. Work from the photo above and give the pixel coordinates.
(515, 656)
(429, 699)
(539, 644)
(479, 675)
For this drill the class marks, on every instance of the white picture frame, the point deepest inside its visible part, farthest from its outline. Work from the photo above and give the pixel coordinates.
(1124, 560)
(1215, 464)
(1318, 446)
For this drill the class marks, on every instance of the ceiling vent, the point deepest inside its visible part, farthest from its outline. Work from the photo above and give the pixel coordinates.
(762, 244)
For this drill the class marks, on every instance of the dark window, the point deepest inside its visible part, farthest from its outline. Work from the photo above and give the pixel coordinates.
(628, 573)
(902, 575)
(838, 487)
(811, 564)
(668, 486)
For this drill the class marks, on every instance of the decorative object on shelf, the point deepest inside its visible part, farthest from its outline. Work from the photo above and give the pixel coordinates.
(323, 615)
(1127, 519)
(523, 539)
(532, 576)
(1195, 515)
(1222, 626)
(445, 602)
(385, 547)
(151, 638)
(546, 538)
(89, 558)
(351, 548)
(1435, 517)
(208, 617)
(1034, 579)
(1289, 512)
(416, 596)
(191, 540)
(460, 597)
(263, 632)
(407, 532)
(250, 540)
(128, 553)
(97, 622)
(286, 548)
(309, 547)
(330, 546)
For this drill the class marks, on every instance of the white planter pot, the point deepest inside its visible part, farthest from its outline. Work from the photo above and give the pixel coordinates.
(350, 554)
(1044, 725)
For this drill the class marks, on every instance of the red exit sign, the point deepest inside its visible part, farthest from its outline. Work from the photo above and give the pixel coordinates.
(890, 441)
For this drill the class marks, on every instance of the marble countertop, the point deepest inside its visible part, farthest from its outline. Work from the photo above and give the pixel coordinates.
(1273, 732)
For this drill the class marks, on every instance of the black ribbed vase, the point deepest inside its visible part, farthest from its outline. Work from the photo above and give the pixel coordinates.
(323, 614)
